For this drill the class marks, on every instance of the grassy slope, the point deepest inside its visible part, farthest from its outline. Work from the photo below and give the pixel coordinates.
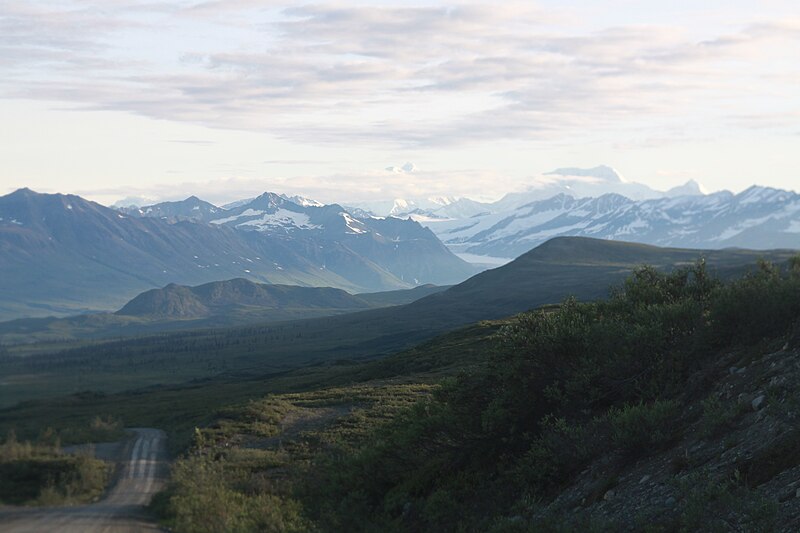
(179, 408)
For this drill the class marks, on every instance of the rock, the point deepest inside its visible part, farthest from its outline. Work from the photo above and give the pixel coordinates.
(609, 494)
(645, 479)
(758, 402)
(670, 502)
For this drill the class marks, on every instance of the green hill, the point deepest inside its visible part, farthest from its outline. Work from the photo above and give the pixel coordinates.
(543, 276)
(217, 304)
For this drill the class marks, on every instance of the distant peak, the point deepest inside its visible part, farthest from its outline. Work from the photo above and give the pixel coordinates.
(24, 191)
(690, 188)
(302, 201)
(271, 198)
(602, 172)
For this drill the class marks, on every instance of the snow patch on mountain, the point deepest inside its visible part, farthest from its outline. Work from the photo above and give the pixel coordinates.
(354, 226)
(282, 218)
(244, 214)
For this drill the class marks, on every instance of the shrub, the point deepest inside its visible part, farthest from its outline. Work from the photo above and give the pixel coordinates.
(639, 428)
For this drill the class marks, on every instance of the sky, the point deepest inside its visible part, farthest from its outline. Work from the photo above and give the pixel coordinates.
(226, 99)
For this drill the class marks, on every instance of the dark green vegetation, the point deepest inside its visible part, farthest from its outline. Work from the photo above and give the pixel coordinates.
(217, 304)
(39, 473)
(580, 392)
(179, 408)
(564, 389)
(581, 267)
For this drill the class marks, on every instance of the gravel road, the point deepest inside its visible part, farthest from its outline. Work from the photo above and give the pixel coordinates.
(122, 511)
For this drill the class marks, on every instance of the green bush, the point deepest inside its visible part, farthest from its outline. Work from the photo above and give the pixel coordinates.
(637, 429)
(40, 474)
(204, 497)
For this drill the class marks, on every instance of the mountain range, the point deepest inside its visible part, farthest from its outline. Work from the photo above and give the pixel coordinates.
(61, 254)
(599, 202)
(577, 182)
(757, 218)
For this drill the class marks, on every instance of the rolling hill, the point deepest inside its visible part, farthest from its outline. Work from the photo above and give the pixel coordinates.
(581, 267)
(228, 303)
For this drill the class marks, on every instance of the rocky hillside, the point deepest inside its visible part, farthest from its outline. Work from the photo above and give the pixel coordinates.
(731, 464)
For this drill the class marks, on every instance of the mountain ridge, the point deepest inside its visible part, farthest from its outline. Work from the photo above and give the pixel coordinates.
(62, 254)
(756, 218)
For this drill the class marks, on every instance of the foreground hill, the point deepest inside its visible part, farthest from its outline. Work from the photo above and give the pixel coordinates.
(580, 267)
(62, 254)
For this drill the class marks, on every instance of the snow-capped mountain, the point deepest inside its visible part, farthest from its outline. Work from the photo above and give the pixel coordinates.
(404, 206)
(758, 218)
(391, 251)
(405, 248)
(61, 254)
(577, 182)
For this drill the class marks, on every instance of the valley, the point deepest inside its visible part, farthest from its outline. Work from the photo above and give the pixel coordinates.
(313, 429)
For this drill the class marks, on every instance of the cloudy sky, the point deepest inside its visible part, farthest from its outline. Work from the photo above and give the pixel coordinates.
(224, 99)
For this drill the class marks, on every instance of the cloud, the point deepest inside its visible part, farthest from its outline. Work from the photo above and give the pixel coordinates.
(192, 141)
(424, 76)
(407, 168)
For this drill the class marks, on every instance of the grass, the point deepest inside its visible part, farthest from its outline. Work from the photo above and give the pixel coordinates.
(180, 408)
(238, 478)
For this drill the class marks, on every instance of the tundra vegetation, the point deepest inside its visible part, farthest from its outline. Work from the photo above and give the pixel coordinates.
(491, 444)
(40, 473)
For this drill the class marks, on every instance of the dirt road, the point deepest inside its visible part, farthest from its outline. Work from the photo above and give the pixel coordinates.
(122, 511)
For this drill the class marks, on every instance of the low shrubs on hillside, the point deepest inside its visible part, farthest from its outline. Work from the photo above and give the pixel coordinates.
(563, 387)
(40, 474)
